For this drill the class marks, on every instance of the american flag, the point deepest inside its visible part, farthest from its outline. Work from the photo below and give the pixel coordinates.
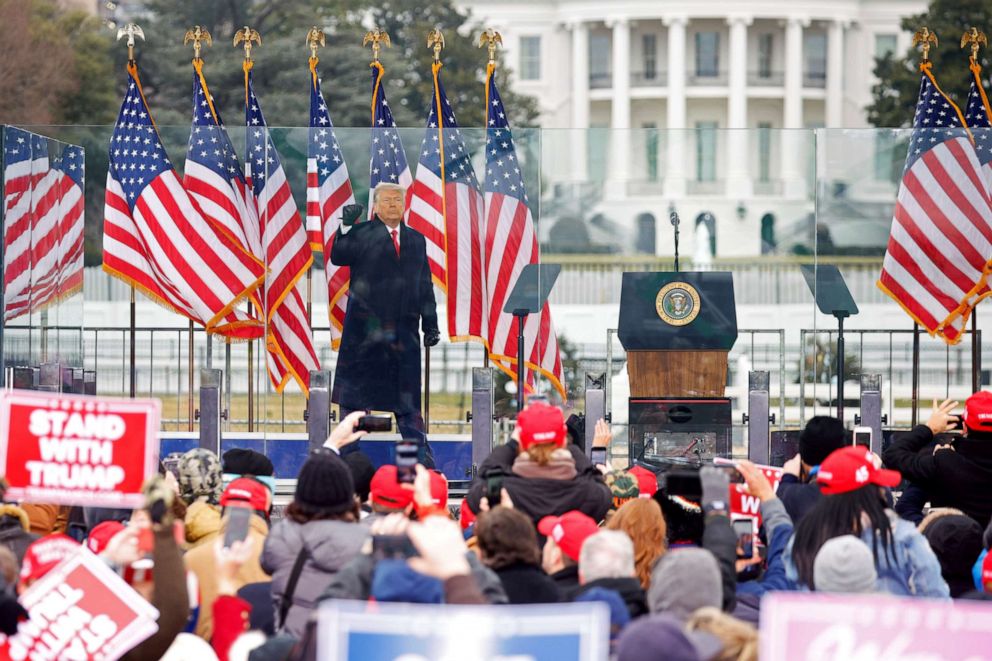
(287, 254)
(511, 244)
(45, 180)
(447, 207)
(16, 222)
(215, 180)
(65, 271)
(941, 236)
(977, 116)
(155, 237)
(328, 191)
(387, 162)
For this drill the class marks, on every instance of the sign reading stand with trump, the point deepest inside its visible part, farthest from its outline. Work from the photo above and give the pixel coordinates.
(76, 449)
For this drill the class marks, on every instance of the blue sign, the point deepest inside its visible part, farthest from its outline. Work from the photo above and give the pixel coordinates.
(362, 631)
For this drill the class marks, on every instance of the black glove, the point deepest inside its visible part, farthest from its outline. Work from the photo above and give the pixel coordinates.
(351, 213)
(11, 612)
(432, 337)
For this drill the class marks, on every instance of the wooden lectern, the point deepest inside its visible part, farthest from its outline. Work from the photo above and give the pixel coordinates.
(677, 329)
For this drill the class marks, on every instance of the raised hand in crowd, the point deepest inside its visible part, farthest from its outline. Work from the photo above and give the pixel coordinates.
(441, 546)
(504, 501)
(229, 561)
(793, 466)
(941, 419)
(345, 434)
(756, 480)
(602, 437)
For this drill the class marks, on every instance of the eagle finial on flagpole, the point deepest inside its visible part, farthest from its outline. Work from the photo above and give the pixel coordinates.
(976, 39)
(131, 30)
(491, 38)
(925, 37)
(197, 35)
(376, 37)
(247, 35)
(435, 40)
(315, 39)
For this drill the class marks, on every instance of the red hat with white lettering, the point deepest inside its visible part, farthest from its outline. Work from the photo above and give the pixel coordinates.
(246, 491)
(44, 554)
(541, 423)
(101, 535)
(647, 481)
(570, 531)
(978, 411)
(851, 468)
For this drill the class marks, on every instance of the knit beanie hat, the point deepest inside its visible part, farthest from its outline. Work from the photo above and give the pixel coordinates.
(846, 565)
(956, 540)
(683, 581)
(200, 476)
(325, 484)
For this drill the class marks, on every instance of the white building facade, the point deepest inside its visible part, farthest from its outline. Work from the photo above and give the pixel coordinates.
(700, 106)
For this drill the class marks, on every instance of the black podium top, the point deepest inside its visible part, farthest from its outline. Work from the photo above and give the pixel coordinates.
(690, 310)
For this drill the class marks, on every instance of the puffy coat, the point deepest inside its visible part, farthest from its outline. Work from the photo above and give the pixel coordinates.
(202, 523)
(539, 497)
(329, 545)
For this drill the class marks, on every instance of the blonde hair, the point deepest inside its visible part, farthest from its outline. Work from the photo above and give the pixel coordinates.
(644, 523)
(739, 639)
(385, 186)
(541, 454)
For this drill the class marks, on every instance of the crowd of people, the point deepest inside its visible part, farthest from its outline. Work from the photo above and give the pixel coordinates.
(541, 524)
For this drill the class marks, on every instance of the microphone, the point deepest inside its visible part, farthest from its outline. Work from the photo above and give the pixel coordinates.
(674, 218)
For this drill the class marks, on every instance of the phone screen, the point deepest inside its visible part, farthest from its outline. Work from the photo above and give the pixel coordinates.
(744, 529)
(236, 526)
(598, 456)
(862, 439)
(406, 462)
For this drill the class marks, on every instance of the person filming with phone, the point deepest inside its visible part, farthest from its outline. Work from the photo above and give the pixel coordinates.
(390, 292)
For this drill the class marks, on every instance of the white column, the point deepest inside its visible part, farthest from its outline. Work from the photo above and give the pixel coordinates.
(738, 181)
(835, 75)
(676, 139)
(794, 141)
(620, 155)
(580, 100)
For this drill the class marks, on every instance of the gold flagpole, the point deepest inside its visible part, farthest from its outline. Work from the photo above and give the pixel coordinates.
(315, 39)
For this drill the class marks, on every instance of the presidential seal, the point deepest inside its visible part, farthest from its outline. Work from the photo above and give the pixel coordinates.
(677, 303)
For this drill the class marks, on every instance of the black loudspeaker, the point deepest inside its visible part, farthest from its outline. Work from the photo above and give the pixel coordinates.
(695, 430)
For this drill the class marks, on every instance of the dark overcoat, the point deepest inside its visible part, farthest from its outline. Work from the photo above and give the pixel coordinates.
(379, 360)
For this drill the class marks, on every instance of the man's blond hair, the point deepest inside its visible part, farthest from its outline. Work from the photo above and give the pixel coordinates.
(386, 186)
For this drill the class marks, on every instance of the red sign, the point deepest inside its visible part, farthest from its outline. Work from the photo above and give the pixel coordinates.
(742, 504)
(797, 626)
(76, 449)
(80, 610)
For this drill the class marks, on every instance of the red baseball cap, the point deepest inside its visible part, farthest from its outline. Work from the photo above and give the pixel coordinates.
(44, 554)
(246, 491)
(851, 468)
(987, 573)
(978, 411)
(101, 535)
(541, 423)
(647, 482)
(386, 491)
(439, 488)
(570, 531)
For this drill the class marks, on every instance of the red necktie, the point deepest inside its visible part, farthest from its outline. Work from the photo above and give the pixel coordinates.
(396, 242)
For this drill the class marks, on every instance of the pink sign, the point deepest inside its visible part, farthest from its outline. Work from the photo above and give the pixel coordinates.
(813, 627)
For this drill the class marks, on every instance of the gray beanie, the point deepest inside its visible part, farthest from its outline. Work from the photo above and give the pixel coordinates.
(683, 581)
(844, 564)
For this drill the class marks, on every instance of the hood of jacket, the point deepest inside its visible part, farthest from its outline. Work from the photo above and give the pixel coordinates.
(329, 544)
(202, 520)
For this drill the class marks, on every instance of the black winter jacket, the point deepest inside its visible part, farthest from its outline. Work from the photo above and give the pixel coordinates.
(541, 497)
(528, 584)
(629, 589)
(954, 478)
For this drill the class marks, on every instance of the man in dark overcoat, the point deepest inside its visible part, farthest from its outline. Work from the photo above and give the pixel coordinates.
(390, 293)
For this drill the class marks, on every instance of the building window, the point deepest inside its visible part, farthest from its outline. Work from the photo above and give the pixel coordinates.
(885, 44)
(815, 56)
(646, 233)
(530, 58)
(885, 161)
(651, 150)
(649, 49)
(599, 136)
(769, 243)
(765, 43)
(764, 152)
(599, 60)
(708, 54)
(705, 151)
